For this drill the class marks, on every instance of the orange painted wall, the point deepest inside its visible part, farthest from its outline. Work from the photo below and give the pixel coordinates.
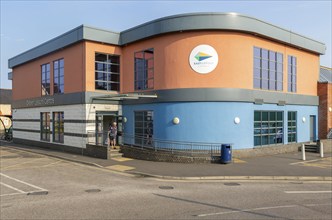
(91, 48)
(27, 77)
(235, 67)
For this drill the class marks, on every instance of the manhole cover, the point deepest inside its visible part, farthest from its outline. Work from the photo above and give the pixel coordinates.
(92, 190)
(231, 184)
(37, 193)
(166, 187)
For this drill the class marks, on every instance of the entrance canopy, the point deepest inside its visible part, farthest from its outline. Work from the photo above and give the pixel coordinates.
(120, 97)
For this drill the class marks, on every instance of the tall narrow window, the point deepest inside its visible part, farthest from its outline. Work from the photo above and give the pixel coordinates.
(59, 74)
(143, 127)
(45, 79)
(107, 72)
(268, 70)
(144, 69)
(292, 128)
(58, 127)
(268, 127)
(292, 74)
(45, 126)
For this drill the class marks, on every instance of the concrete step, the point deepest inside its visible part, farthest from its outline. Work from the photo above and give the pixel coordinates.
(115, 155)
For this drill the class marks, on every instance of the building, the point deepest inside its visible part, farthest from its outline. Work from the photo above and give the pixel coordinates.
(203, 77)
(325, 102)
(5, 110)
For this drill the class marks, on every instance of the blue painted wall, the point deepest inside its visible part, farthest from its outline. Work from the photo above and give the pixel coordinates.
(213, 122)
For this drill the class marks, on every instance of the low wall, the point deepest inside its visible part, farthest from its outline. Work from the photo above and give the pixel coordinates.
(152, 155)
(90, 150)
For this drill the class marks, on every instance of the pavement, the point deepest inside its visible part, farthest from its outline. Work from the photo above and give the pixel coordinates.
(288, 166)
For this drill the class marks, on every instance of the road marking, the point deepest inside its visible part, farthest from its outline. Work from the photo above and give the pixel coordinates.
(120, 168)
(247, 210)
(11, 187)
(261, 208)
(309, 161)
(308, 192)
(18, 164)
(12, 194)
(33, 186)
(235, 160)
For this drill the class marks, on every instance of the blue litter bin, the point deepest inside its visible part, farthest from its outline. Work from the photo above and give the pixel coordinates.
(226, 153)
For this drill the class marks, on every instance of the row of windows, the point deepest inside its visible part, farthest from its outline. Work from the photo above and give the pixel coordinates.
(58, 78)
(268, 127)
(268, 70)
(58, 126)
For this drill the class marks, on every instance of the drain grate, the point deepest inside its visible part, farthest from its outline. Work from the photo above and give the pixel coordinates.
(37, 193)
(166, 187)
(232, 184)
(92, 190)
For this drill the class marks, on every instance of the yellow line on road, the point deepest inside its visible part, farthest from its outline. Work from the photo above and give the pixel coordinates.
(120, 168)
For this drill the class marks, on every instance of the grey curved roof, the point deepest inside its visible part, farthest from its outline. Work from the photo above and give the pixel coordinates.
(175, 23)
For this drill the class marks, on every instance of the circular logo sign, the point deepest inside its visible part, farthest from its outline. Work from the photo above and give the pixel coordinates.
(203, 59)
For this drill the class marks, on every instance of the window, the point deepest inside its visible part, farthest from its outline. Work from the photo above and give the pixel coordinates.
(292, 74)
(45, 79)
(144, 69)
(143, 127)
(45, 126)
(268, 128)
(58, 127)
(292, 127)
(268, 69)
(107, 72)
(58, 71)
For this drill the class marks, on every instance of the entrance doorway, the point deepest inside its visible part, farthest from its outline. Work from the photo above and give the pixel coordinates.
(103, 122)
(312, 128)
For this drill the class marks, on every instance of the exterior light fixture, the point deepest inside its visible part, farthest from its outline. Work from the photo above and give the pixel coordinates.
(330, 109)
(303, 119)
(124, 119)
(176, 120)
(237, 120)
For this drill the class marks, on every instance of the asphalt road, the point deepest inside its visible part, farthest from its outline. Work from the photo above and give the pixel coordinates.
(39, 187)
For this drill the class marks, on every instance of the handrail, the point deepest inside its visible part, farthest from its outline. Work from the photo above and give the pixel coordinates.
(150, 143)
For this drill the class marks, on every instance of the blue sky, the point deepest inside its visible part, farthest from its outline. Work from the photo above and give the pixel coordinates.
(26, 24)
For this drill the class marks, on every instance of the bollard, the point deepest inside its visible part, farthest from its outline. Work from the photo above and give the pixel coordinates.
(303, 152)
(321, 149)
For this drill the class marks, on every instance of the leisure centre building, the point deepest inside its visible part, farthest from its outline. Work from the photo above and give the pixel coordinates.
(203, 77)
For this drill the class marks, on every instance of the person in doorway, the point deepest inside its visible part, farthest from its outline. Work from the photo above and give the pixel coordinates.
(112, 133)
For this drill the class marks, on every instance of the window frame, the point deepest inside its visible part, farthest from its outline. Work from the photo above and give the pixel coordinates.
(145, 125)
(266, 126)
(58, 127)
(292, 127)
(144, 73)
(57, 75)
(267, 69)
(292, 74)
(107, 73)
(45, 122)
(45, 79)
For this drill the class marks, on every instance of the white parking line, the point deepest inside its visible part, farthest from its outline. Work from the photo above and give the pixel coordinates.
(260, 208)
(28, 184)
(11, 187)
(299, 192)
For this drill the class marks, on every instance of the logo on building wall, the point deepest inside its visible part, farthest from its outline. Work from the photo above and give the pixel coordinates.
(203, 59)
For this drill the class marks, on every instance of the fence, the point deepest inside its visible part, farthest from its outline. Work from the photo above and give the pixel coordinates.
(174, 147)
